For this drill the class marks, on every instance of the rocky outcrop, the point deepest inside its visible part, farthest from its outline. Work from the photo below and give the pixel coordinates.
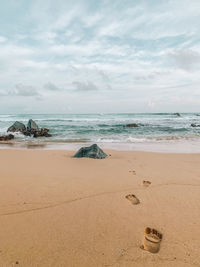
(6, 137)
(195, 125)
(32, 129)
(17, 127)
(42, 132)
(32, 126)
(132, 125)
(92, 151)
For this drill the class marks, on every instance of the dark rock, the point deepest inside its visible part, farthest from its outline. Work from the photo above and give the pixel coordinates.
(177, 114)
(6, 137)
(42, 132)
(17, 127)
(92, 151)
(31, 130)
(32, 126)
(195, 125)
(132, 125)
(27, 133)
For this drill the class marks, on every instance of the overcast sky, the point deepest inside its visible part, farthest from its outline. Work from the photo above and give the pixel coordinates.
(87, 56)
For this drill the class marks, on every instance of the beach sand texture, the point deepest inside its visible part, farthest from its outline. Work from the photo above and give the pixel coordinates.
(56, 210)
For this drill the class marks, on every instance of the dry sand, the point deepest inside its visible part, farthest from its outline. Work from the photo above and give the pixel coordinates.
(56, 210)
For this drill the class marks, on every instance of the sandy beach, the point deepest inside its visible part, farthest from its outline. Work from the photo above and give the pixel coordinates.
(57, 211)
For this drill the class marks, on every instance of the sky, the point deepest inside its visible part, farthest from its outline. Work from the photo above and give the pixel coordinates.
(101, 56)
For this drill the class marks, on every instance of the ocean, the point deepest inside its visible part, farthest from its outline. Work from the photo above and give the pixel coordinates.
(155, 130)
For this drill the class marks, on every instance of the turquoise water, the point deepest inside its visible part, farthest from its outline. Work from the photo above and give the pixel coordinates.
(109, 128)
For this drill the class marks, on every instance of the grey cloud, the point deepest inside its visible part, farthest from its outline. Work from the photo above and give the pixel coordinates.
(51, 86)
(24, 90)
(104, 77)
(185, 59)
(85, 86)
(106, 80)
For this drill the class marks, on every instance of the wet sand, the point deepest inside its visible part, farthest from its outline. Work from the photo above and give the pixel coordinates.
(56, 210)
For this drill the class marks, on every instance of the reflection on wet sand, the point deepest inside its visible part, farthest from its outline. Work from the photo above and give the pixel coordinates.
(32, 146)
(28, 145)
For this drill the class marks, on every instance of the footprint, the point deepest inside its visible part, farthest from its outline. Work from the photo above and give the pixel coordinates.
(151, 240)
(146, 183)
(133, 199)
(133, 172)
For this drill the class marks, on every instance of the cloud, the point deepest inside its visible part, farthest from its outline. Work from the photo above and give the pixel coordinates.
(130, 50)
(10, 50)
(104, 76)
(24, 90)
(51, 86)
(185, 59)
(85, 86)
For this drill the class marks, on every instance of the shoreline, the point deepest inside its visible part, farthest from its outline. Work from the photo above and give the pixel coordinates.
(176, 147)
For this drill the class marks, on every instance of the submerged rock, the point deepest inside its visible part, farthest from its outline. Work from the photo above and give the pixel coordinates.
(17, 127)
(177, 114)
(32, 126)
(92, 151)
(6, 137)
(132, 125)
(195, 125)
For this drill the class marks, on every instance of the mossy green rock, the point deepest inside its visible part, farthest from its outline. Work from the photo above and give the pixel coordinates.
(92, 151)
(32, 126)
(17, 127)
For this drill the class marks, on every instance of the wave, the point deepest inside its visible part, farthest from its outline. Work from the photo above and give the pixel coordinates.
(153, 127)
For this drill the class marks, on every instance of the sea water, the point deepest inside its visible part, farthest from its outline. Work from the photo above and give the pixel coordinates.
(70, 130)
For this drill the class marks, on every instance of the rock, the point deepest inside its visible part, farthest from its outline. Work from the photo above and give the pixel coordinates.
(42, 132)
(17, 127)
(31, 130)
(132, 125)
(32, 126)
(92, 151)
(177, 114)
(6, 137)
(195, 125)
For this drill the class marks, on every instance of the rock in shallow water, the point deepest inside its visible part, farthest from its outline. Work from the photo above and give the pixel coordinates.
(177, 114)
(17, 127)
(32, 126)
(92, 151)
(195, 125)
(132, 125)
(6, 137)
(31, 130)
(42, 132)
